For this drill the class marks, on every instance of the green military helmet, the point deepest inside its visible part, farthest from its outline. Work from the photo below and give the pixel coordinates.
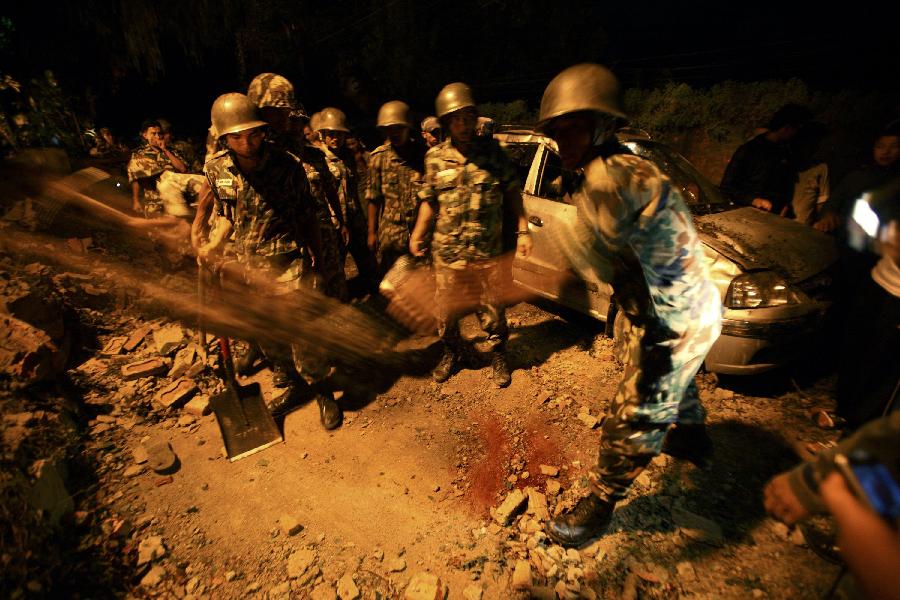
(234, 112)
(269, 89)
(395, 112)
(453, 97)
(332, 119)
(584, 87)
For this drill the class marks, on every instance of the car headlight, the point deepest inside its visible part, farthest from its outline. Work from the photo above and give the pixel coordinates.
(759, 290)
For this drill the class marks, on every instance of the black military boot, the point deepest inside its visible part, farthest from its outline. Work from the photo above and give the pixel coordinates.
(330, 413)
(244, 365)
(689, 442)
(285, 402)
(445, 368)
(587, 521)
(500, 369)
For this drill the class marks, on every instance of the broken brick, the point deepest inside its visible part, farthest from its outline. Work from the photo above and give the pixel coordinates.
(176, 393)
(168, 339)
(144, 368)
(510, 507)
(114, 346)
(136, 338)
(198, 406)
(184, 360)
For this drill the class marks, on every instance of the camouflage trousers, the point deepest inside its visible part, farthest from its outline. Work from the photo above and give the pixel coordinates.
(329, 277)
(393, 242)
(177, 190)
(458, 290)
(305, 358)
(657, 390)
(359, 249)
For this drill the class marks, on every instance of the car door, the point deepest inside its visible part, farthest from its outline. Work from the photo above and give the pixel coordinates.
(546, 271)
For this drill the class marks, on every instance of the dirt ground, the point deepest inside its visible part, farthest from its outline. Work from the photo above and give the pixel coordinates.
(409, 483)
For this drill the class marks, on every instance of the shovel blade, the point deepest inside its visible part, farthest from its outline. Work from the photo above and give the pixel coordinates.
(246, 424)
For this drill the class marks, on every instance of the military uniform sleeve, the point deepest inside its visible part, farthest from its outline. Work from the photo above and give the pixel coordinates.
(618, 192)
(373, 187)
(426, 191)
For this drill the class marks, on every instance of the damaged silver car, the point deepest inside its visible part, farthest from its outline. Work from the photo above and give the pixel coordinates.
(774, 274)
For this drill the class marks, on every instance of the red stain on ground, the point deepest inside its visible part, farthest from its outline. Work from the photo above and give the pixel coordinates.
(489, 474)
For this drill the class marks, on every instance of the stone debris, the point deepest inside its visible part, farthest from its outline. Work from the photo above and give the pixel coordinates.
(781, 530)
(510, 507)
(549, 470)
(27, 352)
(299, 562)
(290, 525)
(797, 538)
(186, 420)
(198, 406)
(133, 471)
(521, 578)
(543, 592)
(150, 549)
(184, 360)
(176, 393)
(140, 455)
(686, 572)
(323, 591)
(114, 346)
(588, 419)
(552, 487)
(167, 339)
(230, 575)
(697, 528)
(544, 397)
(378, 554)
(153, 577)
(48, 493)
(425, 586)
(537, 504)
(346, 588)
(135, 339)
(396, 565)
(144, 368)
(161, 457)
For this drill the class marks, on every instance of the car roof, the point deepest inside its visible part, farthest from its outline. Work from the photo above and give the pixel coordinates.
(524, 135)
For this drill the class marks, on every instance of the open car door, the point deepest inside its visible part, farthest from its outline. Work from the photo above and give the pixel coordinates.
(547, 272)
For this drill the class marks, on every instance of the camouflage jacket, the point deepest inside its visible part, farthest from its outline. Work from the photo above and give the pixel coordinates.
(266, 208)
(345, 182)
(322, 183)
(395, 182)
(147, 162)
(635, 231)
(467, 194)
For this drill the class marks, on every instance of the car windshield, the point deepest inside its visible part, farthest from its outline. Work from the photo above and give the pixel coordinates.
(701, 196)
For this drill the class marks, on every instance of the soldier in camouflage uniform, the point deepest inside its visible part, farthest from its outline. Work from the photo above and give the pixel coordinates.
(395, 176)
(161, 174)
(274, 95)
(182, 148)
(332, 130)
(431, 131)
(262, 196)
(635, 231)
(468, 182)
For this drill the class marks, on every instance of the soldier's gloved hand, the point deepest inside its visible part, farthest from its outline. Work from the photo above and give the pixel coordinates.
(524, 244)
(372, 241)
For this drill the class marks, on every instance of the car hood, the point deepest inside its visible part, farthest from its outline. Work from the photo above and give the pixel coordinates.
(756, 240)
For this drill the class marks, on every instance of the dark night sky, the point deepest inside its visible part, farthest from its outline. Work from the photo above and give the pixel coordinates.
(506, 50)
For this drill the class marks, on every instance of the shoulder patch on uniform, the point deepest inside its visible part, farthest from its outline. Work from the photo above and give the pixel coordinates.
(382, 148)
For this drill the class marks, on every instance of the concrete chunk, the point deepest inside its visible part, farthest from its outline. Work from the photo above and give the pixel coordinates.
(521, 578)
(114, 346)
(198, 406)
(425, 586)
(176, 393)
(697, 528)
(510, 507)
(136, 338)
(537, 504)
(144, 368)
(346, 588)
(549, 471)
(168, 339)
(184, 360)
(589, 420)
(299, 562)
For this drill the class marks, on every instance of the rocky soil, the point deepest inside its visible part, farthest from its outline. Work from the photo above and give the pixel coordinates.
(427, 490)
